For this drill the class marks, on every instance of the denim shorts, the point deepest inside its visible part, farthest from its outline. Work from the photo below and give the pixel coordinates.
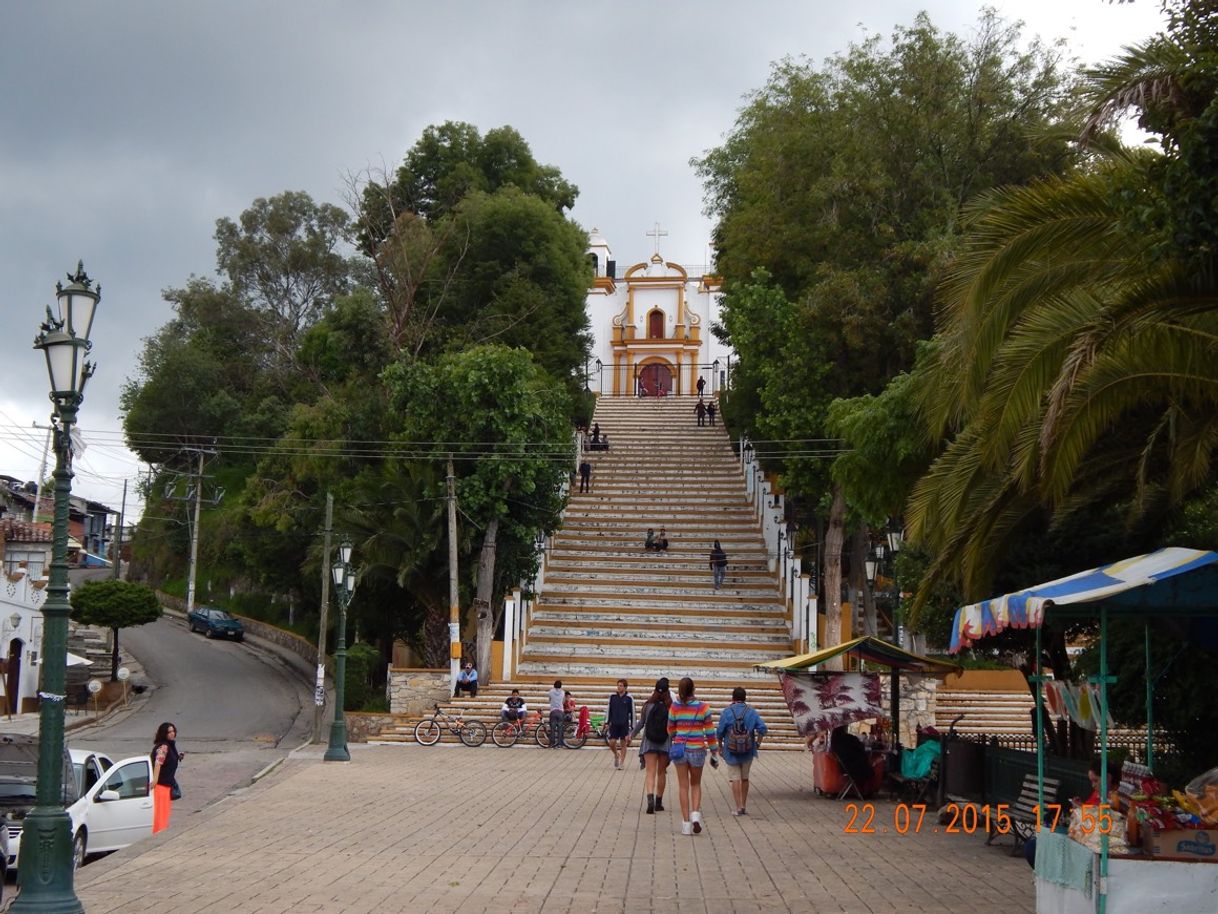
(694, 758)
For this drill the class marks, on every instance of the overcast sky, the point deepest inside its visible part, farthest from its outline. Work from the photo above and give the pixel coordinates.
(127, 128)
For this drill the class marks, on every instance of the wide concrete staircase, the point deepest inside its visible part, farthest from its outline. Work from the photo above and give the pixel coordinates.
(609, 608)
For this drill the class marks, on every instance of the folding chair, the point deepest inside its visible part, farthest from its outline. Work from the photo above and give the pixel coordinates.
(848, 782)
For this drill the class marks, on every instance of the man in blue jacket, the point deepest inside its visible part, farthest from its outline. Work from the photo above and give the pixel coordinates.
(740, 731)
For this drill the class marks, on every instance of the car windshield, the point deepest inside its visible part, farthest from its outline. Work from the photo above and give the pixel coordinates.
(220, 615)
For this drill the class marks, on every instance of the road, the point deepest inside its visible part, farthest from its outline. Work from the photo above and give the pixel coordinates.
(237, 708)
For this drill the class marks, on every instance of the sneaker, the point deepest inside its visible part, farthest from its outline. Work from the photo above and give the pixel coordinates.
(743, 811)
(696, 821)
(737, 812)
(687, 828)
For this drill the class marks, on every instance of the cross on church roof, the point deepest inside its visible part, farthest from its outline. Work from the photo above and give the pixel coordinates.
(657, 233)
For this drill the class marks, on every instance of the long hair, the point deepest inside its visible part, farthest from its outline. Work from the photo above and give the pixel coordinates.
(685, 689)
(162, 732)
(663, 696)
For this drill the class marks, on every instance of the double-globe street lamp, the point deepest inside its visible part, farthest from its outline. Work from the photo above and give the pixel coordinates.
(46, 840)
(344, 590)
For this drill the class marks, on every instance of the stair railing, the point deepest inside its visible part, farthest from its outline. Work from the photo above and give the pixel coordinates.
(794, 586)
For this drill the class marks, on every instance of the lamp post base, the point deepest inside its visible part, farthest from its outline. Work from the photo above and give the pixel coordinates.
(46, 883)
(337, 751)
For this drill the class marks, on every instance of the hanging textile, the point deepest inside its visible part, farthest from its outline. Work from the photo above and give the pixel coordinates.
(824, 701)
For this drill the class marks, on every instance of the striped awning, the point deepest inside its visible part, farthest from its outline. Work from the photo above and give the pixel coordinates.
(872, 650)
(1171, 581)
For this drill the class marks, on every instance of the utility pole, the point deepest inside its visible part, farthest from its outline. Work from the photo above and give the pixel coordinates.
(319, 689)
(118, 534)
(454, 600)
(194, 540)
(42, 469)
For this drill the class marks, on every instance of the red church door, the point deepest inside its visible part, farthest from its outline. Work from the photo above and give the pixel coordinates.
(655, 380)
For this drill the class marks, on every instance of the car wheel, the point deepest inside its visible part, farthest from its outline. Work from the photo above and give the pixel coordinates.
(239, 638)
(192, 628)
(210, 633)
(78, 852)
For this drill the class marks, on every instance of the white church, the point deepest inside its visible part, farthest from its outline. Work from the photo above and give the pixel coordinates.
(651, 326)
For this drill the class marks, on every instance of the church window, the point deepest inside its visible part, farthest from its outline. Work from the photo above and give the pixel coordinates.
(655, 325)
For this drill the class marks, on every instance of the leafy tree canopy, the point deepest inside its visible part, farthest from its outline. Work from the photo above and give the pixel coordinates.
(114, 605)
(449, 162)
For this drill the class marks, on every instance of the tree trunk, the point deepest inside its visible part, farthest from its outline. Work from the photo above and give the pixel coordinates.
(114, 655)
(834, 538)
(860, 541)
(482, 602)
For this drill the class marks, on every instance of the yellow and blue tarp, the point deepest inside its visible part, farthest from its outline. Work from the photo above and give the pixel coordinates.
(1171, 581)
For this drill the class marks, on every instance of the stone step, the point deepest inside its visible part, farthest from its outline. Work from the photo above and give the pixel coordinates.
(639, 580)
(618, 602)
(640, 670)
(613, 635)
(678, 554)
(542, 618)
(686, 611)
(661, 653)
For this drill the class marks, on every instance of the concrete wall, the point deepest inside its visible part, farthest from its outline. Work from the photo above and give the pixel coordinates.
(414, 690)
(987, 681)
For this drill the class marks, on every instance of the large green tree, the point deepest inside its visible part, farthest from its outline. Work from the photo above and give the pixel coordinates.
(506, 424)
(846, 182)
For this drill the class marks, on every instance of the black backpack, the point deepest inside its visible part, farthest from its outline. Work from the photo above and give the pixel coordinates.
(656, 728)
(739, 740)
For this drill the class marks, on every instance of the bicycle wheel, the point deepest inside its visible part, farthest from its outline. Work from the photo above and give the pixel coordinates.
(542, 735)
(473, 733)
(427, 732)
(572, 738)
(504, 734)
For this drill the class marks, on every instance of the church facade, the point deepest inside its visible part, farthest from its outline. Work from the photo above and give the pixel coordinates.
(651, 327)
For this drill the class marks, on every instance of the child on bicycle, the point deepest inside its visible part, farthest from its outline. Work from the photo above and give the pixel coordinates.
(514, 707)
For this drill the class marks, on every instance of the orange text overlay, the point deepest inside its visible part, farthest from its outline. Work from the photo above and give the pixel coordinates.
(910, 818)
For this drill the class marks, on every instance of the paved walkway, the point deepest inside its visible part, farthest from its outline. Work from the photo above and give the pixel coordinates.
(450, 829)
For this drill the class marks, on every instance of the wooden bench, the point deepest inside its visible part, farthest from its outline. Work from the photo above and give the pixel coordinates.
(1023, 811)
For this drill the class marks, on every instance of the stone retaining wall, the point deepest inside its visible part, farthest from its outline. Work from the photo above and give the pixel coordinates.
(918, 700)
(362, 726)
(413, 690)
(303, 648)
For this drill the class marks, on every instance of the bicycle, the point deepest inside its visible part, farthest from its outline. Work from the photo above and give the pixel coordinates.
(568, 736)
(427, 732)
(507, 733)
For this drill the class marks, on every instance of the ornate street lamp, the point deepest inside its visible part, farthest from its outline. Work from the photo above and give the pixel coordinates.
(600, 377)
(870, 566)
(46, 874)
(896, 536)
(344, 590)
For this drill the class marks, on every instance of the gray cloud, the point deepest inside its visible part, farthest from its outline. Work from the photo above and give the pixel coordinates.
(127, 128)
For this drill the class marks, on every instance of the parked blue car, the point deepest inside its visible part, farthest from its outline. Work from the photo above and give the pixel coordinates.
(215, 623)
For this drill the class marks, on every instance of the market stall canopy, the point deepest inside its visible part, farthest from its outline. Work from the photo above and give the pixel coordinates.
(868, 648)
(1171, 581)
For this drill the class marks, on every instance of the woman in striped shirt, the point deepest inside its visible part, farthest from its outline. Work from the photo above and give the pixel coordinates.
(692, 728)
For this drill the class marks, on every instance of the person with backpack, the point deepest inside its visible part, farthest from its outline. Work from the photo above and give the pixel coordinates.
(740, 733)
(653, 724)
(692, 727)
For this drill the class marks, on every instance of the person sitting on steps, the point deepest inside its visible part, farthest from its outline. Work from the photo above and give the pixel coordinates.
(661, 542)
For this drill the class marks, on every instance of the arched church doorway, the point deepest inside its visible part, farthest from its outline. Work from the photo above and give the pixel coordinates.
(12, 681)
(655, 380)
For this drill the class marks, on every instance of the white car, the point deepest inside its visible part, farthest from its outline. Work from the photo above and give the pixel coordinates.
(115, 807)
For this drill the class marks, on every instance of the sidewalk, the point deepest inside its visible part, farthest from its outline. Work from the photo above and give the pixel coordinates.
(451, 829)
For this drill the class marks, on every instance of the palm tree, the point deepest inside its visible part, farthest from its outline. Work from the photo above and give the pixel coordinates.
(1077, 349)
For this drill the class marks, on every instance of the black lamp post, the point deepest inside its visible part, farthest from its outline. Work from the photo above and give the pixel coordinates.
(344, 590)
(46, 874)
(600, 377)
